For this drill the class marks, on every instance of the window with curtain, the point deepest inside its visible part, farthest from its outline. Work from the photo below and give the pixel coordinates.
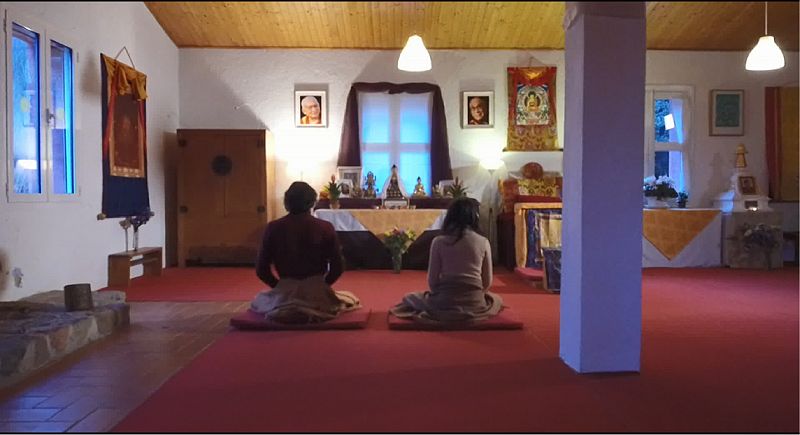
(667, 134)
(396, 130)
(40, 116)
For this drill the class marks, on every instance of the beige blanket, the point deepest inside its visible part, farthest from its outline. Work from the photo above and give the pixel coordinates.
(309, 300)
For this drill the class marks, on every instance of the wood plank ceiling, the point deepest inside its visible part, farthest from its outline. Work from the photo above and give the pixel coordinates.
(723, 26)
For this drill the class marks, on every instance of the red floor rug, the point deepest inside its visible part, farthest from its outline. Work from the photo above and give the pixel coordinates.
(719, 354)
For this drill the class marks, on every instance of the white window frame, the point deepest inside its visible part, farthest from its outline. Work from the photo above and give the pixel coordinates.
(46, 35)
(651, 146)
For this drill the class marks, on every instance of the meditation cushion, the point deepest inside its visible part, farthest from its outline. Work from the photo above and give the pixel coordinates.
(506, 319)
(250, 320)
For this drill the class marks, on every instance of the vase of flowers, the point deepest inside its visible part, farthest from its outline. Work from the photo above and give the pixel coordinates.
(760, 240)
(333, 191)
(657, 191)
(398, 241)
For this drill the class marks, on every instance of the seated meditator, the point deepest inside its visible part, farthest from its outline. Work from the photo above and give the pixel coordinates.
(306, 253)
(459, 273)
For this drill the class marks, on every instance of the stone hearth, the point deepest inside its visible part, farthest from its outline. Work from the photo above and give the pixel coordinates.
(38, 330)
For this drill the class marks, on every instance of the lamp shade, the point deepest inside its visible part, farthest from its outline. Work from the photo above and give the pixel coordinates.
(414, 57)
(765, 56)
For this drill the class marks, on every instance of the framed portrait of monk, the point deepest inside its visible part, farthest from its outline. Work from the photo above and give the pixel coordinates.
(477, 109)
(310, 109)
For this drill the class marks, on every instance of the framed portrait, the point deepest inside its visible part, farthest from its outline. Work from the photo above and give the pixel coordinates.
(477, 109)
(347, 187)
(444, 184)
(310, 109)
(727, 113)
(747, 185)
(352, 173)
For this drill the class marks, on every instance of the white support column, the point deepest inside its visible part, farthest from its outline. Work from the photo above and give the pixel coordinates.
(601, 293)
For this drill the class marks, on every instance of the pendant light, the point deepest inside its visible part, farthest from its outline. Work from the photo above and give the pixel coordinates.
(414, 57)
(766, 55)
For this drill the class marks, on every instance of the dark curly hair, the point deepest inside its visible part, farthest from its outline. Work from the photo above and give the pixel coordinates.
(299, 197)
(462, 214)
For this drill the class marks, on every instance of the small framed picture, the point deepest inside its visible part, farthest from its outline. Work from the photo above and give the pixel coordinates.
(477, 109)
(444, 184)
(747, 185)
(352, 173)
(347, 186)
(310, 109)
(727, 113)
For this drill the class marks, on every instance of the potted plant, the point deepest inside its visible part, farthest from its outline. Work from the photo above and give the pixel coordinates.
(683, 197)
(456, 190)
(658, 191)
(333, 191)
(759, 240)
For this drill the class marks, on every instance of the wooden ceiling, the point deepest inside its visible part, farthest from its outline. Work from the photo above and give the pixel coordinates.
(724, 26)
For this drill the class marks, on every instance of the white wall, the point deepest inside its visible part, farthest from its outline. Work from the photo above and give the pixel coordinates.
(231, 88)
(55, 244)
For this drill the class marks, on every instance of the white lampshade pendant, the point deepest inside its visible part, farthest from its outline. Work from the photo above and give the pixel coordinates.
(766, 55)
(414, 57)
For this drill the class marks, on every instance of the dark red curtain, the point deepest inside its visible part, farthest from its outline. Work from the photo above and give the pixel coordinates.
(772, 115)
(350, 148)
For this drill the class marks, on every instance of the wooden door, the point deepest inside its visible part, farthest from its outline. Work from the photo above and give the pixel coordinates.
(222, 196)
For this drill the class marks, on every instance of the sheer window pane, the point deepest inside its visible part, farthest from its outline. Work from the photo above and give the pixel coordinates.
(413, 165)
(670, 163)
(26, 160)
(375, 118)
(61, 119)
(415, 119)
(668, 120)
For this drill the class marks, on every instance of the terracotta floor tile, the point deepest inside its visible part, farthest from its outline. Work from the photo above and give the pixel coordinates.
(101, 420)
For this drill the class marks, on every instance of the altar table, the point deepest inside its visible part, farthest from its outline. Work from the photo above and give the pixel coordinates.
(361, 235)
(672, 237)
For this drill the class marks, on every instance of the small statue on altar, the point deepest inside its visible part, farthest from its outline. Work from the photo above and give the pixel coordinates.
(419, 189)
(393, 188)
(369, 185)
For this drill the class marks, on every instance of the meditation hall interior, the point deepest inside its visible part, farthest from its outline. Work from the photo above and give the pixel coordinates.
(345, 217)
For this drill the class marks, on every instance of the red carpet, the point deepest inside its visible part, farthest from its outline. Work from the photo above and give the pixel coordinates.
(719, 354)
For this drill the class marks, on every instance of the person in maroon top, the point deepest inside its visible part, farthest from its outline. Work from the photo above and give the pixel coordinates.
(306, 254)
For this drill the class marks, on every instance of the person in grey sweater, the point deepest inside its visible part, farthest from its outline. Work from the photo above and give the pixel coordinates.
(459, 273)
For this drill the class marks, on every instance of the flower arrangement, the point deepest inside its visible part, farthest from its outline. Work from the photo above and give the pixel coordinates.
(398, 240)
(332, 190)
(661, 188)
(758, 239)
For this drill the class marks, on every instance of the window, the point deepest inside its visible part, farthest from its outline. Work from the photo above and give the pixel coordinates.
(40, 114)
(396, 130)
(667, 133)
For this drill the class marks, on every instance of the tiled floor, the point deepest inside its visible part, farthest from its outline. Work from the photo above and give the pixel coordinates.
(93, 389)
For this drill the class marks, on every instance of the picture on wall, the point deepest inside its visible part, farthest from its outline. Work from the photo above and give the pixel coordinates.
(310, 109)
(123, 114)
(532, 109)
(727, 113)
(477, 109)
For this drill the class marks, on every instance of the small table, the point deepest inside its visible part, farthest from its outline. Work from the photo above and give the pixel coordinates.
(119, 265)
